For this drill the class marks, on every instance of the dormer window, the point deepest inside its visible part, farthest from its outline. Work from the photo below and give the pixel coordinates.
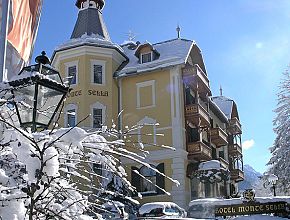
(146, 57)
(146, 53)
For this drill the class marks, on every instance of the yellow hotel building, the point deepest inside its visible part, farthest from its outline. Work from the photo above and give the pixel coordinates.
(164, 83)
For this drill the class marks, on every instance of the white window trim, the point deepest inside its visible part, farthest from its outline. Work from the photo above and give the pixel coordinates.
(98, 105)
(144, 84)
(70, 64)
(68, 108)
(151, 53)
(147, 120)
(101, 63)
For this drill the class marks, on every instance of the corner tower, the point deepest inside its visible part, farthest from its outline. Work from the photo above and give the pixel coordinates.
(87, 61)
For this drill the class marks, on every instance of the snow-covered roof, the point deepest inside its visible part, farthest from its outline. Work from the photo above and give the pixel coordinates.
(172, 52)
(91, 40)
(225, 104)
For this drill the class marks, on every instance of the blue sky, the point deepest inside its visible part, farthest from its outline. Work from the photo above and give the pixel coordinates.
(245, 45)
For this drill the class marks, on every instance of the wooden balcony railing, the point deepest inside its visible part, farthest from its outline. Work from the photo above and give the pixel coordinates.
(224, 163)
(196, 71)
(237, 175)
(234, 126)
(235, 149)
(195, 113)
(199, 151)
(218, 137)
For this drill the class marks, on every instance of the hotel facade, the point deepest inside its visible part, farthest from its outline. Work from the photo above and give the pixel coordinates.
(164, 88)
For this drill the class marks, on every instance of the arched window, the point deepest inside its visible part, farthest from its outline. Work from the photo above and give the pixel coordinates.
(70, 118)
(143, 185)
(147, 132)
(150, 175)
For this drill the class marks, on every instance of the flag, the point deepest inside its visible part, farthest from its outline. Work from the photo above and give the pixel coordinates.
(23, 25)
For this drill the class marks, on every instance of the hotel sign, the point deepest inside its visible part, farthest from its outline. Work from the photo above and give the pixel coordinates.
(90, 92)
(251, 208)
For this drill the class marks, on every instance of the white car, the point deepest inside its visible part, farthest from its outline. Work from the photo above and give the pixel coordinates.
(161, 210)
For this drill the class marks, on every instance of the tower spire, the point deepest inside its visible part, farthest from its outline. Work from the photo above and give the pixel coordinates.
(90, 20)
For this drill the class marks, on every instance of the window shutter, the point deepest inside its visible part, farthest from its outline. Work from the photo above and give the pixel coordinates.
(160, 180)
(135, 179)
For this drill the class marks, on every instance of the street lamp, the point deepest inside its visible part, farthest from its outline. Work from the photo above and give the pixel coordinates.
(272, 178)
(38, 92)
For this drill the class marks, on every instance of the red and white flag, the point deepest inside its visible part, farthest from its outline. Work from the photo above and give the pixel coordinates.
(23, 25)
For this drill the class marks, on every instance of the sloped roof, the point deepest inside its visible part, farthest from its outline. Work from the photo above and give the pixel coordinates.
(172, 52)
(90, 21)
(225, 104)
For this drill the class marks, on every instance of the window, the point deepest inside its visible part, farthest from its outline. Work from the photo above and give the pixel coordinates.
(144, 186)
(98, 72)
(98, 169)
(98, 115)
(146, 57)
(150, 175)
(97, 118)
(72, 72)
(71, 118)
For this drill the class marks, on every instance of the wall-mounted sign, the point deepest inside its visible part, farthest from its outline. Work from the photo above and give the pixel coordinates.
(251, 208)
(98, 92)
(75, 93)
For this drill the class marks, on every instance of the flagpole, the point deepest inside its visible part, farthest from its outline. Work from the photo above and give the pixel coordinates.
(3, 36)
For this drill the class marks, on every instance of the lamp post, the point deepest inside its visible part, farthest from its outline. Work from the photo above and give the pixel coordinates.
(273, 180)
(38, 92)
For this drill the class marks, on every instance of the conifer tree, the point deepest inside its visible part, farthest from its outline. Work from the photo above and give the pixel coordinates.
(280, 160)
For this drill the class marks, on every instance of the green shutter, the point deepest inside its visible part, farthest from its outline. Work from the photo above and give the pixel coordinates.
(160, 180)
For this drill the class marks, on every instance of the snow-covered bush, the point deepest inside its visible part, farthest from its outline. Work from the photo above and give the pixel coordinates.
(65, 173)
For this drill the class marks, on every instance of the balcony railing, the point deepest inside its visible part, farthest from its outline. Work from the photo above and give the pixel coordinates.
(199, 151)
(195, 113)
(196, 71)
(218, 137)
(234, 126)
(237, 175)
(224, 163)
(235, 149)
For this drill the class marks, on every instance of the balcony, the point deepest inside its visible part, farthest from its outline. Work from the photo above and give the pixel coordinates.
(193, 75)
(224, 163)
(237, 175)
(198, 151)
(218, 137)
(235, 149)
(235, 126)
(197, 115)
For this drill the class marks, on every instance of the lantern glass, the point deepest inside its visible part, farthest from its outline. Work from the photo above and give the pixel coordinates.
(47, 102)
(24, 100)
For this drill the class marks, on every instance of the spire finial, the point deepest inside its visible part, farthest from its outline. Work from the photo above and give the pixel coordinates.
(178, 31)
(221, 91)
(99, 4)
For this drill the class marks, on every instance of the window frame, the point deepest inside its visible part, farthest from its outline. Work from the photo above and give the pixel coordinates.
(98, 105)
(72, 64)
(143, 54)
(145, 84)
(67, 109)
(100, 63)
